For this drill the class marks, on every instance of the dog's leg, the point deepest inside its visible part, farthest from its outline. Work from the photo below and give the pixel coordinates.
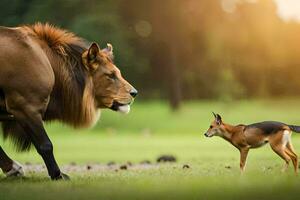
(243, 158)
(279, 148)
(290, 151)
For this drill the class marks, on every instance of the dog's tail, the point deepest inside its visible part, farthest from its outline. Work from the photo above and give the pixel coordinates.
(294, 128)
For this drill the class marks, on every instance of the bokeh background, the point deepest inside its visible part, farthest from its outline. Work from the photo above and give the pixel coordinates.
(187, 58)
(185, 49)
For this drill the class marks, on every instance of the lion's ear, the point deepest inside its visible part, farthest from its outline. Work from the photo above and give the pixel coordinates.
(109, 50)
(93, 52)
(89, 57)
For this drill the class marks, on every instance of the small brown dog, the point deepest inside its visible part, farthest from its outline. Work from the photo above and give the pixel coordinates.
(245, 137)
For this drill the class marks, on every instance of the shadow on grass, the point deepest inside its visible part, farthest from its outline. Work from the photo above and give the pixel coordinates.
(31, 179)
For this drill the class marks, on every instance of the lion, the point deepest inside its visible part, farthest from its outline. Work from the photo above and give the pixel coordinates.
(47, 73)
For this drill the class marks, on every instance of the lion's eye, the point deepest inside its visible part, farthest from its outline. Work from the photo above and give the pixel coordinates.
(112, 76)
(211, 127)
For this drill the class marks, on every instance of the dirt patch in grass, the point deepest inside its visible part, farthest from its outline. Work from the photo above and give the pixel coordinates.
(73, 167)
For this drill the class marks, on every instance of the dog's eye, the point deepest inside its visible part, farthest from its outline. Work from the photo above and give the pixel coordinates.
(211, 127)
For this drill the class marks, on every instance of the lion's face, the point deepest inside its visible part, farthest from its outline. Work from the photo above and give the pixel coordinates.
(111, 90)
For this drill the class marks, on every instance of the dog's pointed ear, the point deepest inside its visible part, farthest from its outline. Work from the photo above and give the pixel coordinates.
(93, 52)
(214, 114)
(218, 119)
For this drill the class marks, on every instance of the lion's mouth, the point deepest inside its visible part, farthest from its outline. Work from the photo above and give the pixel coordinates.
(120, 107)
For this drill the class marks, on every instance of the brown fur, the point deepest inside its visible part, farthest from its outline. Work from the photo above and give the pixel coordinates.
(245, 137)
(77, 92)
(77, 106)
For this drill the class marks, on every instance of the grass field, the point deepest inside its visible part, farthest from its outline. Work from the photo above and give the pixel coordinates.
(151, 130)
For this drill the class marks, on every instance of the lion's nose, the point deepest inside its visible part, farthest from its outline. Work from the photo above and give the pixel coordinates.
(133, 92)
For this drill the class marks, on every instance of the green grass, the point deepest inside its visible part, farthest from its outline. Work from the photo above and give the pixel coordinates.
(151, 130)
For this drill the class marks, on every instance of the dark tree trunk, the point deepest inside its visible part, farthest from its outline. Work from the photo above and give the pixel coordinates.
(175, 95)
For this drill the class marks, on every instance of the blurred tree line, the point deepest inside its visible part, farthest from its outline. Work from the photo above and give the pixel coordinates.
(182, 49)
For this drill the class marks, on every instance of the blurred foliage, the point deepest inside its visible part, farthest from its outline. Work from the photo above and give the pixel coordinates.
(228, 88)
(179, 49)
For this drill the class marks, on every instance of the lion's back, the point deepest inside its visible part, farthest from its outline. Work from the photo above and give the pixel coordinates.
(21, 58)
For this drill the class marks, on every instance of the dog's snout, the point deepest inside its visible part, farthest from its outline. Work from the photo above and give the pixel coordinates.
(205, 134)
(133, 92)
